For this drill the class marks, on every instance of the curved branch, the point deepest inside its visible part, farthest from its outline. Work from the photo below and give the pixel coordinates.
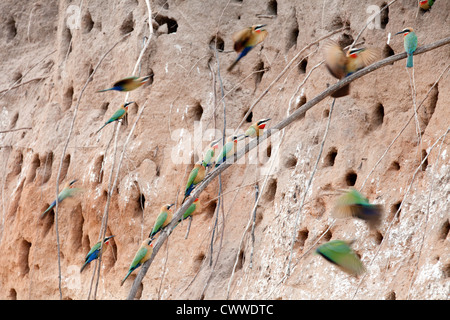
(254, 143)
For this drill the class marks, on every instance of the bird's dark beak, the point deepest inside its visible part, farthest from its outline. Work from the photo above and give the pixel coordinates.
(171, 205)
(107, 238)
(73, 181)
(401, 32)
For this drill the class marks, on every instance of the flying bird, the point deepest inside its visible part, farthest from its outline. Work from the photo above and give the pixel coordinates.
(342, 64)
(246, 39)
(67, 192)
(340, 254)
(128, 84)
(353, 204)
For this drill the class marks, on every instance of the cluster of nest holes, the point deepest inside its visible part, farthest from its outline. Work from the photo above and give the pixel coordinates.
(127, 25)
(391, 295)
(272, 8)
(172, 24)
(330, 158)
(395, 212)
(290, 161)
(443, 232)
(198, 261)
(429, 108)
(40, 167)
(249, 118)
(259, 73)
(67, 98)
(302, 236)
(23, 257)
(195, 112)
(11, 28)
(424, 160)
(271, 190)
(216, 43)
(302, 65)
(293, 32)
(350, 178)
(395, 166)
(377, 117)
(87, 24)
(97, 170)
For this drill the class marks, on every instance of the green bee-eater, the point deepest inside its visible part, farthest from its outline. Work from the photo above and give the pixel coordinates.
(143, 254)
(341, 64)
(66, 192)
(128, 84)
(256, 129)
(195, 177)
(410, 44)
(229, 149)
(163, 219)
(426, 4)
(246, 39)
(119, 114)
(94, 253)
(339, 253)
(354, 204)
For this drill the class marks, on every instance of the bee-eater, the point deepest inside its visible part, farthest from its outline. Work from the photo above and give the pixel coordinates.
(341, 64)
(163, 219)
(119, 114)
(195, 177)
(256, 129)
(354, 204)
(410, 44)
(426, 4)
(228, 149)
(209, 155)
(128, 84)
(246, 39)
(143, 254)
(339, 253)
(94, 253)
(66, 192)
(194, 207)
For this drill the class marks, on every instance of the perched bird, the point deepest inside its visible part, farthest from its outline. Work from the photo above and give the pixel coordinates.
(66, 192)
(94, 253)
(341, 64)
(195, 206)
(195, 177)
(143, 254)
(119, 114)
(256, 129)
(209, 155)
(410, 44)
(354, 204)
(163, 219)
(426, 4)
(246, 39)
(339, 253)
(228, 149)
(128, 84)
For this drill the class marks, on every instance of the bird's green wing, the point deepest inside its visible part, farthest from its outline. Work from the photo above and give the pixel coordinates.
(138, 257)
(159, 221)
(124, 81)
(340, 253)
(192, 176)
(224, 152)
(118, 114)
(208, 157)
(94, 248)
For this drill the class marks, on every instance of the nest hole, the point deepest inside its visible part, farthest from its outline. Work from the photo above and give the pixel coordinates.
(350, 178)
(330, 158)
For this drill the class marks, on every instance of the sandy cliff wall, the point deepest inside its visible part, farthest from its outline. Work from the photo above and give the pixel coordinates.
(49, 49)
